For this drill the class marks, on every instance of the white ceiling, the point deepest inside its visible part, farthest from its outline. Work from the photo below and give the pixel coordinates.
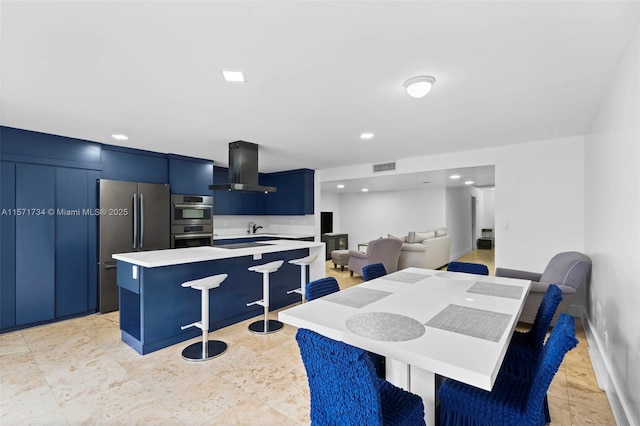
(319, 74)
(482, 177)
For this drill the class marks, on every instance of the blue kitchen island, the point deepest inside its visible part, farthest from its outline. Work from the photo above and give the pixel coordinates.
(154, 305)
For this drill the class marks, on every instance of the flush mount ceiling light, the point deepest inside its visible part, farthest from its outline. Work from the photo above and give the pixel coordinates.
(233, 76)
(366, 136)
(469, 182)
(120, 137)
(454, 177)
(419, 86)
(340, 186)
(365, 189)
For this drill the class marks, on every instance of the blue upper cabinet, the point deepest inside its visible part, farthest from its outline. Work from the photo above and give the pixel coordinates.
(295, 192)
(134, 165)
(294, 195)
(190, 176)
(42, 148)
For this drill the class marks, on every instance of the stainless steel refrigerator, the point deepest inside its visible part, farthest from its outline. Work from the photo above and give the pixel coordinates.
(134, 216)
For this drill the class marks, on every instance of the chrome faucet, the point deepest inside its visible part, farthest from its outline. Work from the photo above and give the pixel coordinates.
(255, 228)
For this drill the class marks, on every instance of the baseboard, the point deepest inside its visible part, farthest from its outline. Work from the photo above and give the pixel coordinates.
(458, 255)
(606, 381)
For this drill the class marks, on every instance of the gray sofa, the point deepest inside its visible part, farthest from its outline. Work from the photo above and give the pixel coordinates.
(567, 270)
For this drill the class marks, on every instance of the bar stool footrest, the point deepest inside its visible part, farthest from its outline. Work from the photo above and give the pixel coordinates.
(257, 302)
(295, 290)
(194, 352)
(265, 327)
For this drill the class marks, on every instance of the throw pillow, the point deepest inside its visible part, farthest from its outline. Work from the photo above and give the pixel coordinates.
(441, 232)
(403, 239)
(419, 236)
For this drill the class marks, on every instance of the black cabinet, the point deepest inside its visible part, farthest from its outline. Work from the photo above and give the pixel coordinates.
(335, 242)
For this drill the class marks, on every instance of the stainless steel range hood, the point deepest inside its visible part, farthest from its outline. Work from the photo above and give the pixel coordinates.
(243, 169)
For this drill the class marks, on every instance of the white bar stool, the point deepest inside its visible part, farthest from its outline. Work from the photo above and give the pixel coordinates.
(265, 326)
(207, 349)
(303, 263)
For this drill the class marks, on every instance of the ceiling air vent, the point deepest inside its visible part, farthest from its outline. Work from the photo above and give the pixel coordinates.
(384, 167)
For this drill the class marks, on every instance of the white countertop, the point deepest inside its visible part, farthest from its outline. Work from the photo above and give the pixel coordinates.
(261, 234)
(156, 258)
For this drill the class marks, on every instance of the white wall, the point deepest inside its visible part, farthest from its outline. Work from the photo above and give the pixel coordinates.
(612, 231)
(539, 191)
(367, 216)
(458, 213)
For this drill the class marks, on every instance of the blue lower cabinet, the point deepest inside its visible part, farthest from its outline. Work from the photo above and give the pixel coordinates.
(154, 306)
(8, 248)
(35, 244)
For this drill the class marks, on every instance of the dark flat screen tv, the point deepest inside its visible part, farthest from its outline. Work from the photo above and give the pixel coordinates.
(326, 222)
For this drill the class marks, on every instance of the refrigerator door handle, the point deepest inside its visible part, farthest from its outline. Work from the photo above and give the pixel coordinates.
(135, 220)
(141, 221)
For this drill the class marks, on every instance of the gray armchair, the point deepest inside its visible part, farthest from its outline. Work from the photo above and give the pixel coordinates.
(567, 270)
(382, 250)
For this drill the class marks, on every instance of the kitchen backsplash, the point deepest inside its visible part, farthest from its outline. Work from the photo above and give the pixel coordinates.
(238, 225)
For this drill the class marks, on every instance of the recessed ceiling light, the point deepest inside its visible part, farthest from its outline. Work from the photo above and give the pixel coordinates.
(233, 76)
(365, 190)
(120, 137)
(340, 186)
(454, 177)
(469, 182)
(366, 136)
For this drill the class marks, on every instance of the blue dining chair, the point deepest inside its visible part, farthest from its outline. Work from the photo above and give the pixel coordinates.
(345, 390)
(321, 287)
(373, 271)
(525, 347)
(513, 400)
(325, 286)
(468, 267)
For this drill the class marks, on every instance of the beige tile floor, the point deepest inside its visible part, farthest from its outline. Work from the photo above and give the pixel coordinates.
(79, 372)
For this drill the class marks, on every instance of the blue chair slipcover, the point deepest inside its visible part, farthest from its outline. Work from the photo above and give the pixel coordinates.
(373, 271)
(321, 287)
(324, 286)
(525, 347)
(469, 268)
(513, 400)
(345, 390)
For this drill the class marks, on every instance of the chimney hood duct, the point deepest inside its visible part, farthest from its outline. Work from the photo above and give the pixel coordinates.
(243, 169)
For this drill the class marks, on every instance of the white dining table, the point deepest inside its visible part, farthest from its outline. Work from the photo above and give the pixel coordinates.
(426, 323)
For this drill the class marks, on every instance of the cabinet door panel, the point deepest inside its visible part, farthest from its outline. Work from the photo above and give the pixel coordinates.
(35, 254)
(72, 241)
(8, 249)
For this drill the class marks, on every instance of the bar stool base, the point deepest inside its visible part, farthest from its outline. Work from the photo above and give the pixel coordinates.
(272, 326)
(193, 352)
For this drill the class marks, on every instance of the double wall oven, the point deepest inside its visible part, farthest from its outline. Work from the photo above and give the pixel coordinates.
(191, 221)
